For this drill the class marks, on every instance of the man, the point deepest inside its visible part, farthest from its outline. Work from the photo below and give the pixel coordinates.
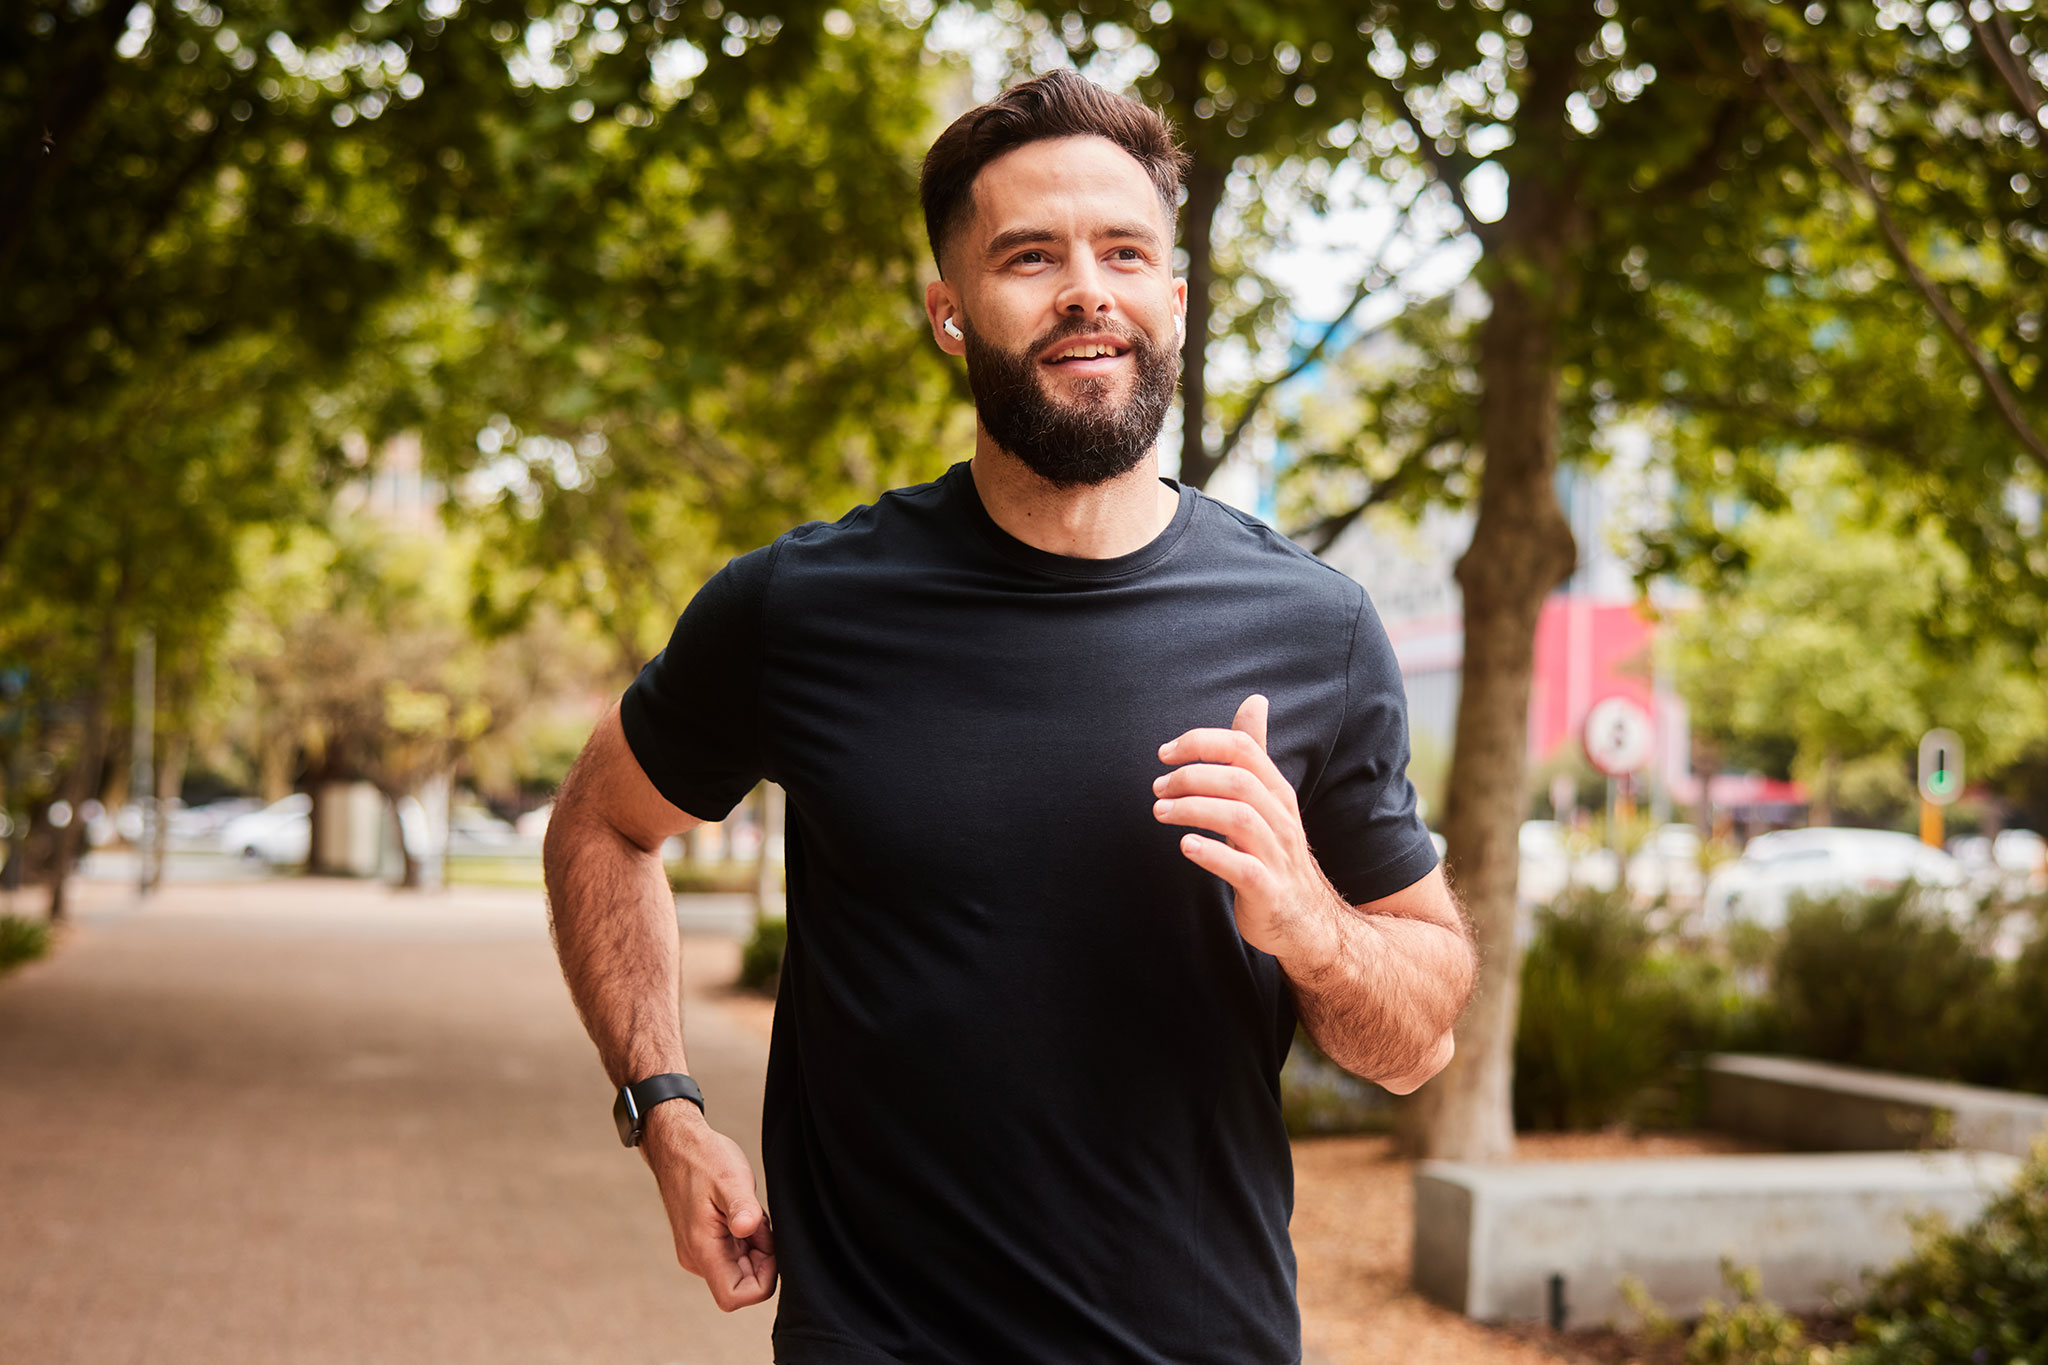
(1023, 1088)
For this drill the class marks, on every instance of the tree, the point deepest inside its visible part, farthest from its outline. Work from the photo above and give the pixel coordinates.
(300, 208)
(1628, 177)
(1840, 642)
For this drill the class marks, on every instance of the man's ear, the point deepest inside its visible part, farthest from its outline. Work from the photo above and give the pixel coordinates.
(942, 306)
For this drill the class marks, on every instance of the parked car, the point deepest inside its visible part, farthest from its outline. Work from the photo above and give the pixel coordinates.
(472, 829)
(1549, 864)
(2012, 865)
(534, 824)
(281, 834)
(1668, 865)
(1759, 886)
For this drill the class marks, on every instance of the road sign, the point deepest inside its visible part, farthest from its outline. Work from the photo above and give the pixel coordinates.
(1941, 766)
(1618, 736)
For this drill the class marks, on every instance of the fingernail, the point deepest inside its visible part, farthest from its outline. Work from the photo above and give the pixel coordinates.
(1161, 807)
(1166, 749)
(1158, 784)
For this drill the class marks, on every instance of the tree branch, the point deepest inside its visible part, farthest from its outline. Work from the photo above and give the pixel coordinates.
(1450, 169)
(1371, 282)
(1851, 169)
(1321, 534)
(1995, 37)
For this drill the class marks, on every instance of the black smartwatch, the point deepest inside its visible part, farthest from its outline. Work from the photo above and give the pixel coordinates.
(629, 1110)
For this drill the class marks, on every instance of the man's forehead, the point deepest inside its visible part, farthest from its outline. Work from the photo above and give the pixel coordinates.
(1084, 180)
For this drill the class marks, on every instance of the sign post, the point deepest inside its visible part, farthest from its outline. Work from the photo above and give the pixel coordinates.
(1619, 743)
(1941, 780)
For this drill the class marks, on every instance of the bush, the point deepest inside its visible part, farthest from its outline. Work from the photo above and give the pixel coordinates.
(1884, 982)
(1610, 1014)
(22, 940)
(730, 879)
(761, 959)
(1318, 1098)
(1978, 1293)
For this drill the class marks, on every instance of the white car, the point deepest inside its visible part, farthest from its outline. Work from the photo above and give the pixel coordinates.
(2014, 864)
(472, 829)
(1549, 864)
(281, 834)
(1668, 864)
(1759, 886)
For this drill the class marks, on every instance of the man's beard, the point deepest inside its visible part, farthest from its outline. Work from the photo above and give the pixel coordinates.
(1091, 440)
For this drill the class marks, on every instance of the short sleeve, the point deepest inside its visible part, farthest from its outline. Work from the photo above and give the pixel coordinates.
(1360, 816)
(692, 717)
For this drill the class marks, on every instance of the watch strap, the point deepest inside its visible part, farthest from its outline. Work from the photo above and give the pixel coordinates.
(629, 1110)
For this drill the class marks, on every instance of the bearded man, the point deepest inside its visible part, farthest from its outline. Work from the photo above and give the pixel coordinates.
(1095, 787)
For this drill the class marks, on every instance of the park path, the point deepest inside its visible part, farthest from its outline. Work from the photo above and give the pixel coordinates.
(300, 1122)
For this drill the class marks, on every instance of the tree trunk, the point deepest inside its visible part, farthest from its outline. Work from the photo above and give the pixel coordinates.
(1205, 194)
(84, 779)
(1521, 549)
(1824, 786)
(170, 779)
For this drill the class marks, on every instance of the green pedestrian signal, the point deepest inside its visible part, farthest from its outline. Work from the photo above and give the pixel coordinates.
(1941, 766)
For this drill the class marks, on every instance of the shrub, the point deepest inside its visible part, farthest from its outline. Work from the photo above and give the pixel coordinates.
(1609, 1013)
(1318, 1098)
(22, 940)
(1882, 981)
(761, 958)
(1978, 1293)
(731, 879)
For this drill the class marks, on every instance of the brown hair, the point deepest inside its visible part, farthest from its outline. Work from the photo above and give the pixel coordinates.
(1058, 104)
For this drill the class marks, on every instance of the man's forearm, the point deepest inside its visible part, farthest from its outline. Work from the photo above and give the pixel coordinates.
(1381, 998)
(614, 924)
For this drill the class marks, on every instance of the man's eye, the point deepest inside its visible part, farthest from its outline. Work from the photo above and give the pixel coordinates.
(1129, 253)
(1029, 258)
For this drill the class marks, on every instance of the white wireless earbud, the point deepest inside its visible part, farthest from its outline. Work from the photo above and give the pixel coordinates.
(1180, 328)
(951, 329)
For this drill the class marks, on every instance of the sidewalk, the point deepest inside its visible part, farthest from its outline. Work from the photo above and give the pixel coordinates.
(296, 1122)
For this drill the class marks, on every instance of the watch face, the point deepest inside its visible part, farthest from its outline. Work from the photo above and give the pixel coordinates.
(627, 1115)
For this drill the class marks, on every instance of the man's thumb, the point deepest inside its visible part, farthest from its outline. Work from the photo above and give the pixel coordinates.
(1251, 718)
(743, 1217)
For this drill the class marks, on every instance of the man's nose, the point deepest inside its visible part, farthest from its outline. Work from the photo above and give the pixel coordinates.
(1084, 291)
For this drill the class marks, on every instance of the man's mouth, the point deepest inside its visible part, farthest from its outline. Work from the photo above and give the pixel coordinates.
(1085, 355)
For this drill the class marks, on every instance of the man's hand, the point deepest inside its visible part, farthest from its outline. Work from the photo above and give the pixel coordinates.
(1285, 906)
(721, 1230)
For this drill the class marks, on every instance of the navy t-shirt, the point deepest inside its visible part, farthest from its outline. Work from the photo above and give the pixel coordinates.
(1023, 1099)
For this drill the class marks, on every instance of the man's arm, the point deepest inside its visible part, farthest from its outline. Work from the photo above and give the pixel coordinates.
(1378, 985)
(614, 924)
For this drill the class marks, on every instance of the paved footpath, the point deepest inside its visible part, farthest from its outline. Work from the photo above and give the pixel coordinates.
(301, 1122)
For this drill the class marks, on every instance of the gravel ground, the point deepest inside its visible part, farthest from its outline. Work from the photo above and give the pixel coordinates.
(316, 1122)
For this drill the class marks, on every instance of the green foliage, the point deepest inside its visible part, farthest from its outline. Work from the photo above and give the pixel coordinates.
(1973, 1294)
(1609, 1012)
(761, 958)
(1749, 1330)
(726, 879)
(1842, 644)
(1885, 982)
(22, 940)
(1318, 1098)
(1978, 1293)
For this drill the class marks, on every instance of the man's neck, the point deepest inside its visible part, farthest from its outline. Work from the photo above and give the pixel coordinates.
(1095, 521)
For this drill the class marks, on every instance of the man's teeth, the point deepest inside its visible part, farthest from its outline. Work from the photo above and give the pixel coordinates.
(1085, 352)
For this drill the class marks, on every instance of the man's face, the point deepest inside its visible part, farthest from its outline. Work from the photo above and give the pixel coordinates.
(1062, 283)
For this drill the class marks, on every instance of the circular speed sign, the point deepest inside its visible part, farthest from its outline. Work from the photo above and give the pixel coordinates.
(1618, 736)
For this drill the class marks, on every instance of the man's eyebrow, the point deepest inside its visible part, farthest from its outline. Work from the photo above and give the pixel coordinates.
(1012, 238)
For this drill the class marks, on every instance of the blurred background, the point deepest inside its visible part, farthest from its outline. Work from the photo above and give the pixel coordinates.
(381, 377)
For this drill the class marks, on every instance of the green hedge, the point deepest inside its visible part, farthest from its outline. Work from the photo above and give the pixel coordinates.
(22, 940)
(1972, 1294)
(761, 958)
(1613, 1015)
